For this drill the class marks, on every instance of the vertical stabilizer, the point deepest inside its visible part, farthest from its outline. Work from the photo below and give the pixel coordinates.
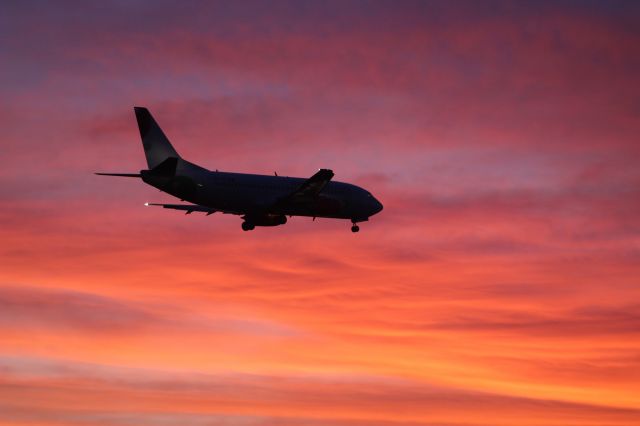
(157, 147)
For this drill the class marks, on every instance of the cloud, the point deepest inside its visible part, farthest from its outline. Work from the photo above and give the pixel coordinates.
(251, 398)
(68, 309)
(499, 284)
(24, 308)
(583, 322)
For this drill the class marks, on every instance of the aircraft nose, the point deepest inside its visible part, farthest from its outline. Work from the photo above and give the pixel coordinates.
(377, 206)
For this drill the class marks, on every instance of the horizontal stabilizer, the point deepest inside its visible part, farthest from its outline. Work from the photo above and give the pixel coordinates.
(135, 175)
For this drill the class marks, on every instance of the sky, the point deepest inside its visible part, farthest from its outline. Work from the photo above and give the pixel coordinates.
(500, 285)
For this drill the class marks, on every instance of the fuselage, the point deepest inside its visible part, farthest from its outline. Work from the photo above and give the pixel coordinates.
(260, 194)
(261, 200)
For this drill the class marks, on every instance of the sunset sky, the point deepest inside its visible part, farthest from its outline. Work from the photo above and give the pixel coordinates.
(499, 286)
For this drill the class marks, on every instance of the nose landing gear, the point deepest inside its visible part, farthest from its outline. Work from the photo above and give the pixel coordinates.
(247, 226)
(354, 227)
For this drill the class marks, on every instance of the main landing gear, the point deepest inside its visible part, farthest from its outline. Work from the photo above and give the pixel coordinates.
(354, 227)
(247, 226)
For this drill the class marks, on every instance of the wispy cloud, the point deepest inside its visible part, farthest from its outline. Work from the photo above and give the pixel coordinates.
(196, 398)
(498, 286)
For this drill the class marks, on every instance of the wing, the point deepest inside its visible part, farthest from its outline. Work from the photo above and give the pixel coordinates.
(312, 186)
(187, 208)
(119, 174)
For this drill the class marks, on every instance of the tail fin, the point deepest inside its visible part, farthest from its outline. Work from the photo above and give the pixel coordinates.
(157, 147)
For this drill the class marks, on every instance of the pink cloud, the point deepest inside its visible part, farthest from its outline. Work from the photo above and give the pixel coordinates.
(500, 278)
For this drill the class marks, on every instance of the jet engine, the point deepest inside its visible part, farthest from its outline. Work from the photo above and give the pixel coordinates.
(263, 220)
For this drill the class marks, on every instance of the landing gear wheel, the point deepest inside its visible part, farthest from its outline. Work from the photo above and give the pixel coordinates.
(355, 228)
(246, 226)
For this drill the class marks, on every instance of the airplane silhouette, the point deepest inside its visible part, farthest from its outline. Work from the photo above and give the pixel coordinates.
(261, 200)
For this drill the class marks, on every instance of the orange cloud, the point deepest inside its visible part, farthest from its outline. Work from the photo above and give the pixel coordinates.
(498, 286)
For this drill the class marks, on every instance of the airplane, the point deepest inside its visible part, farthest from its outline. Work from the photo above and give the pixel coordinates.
(261, 200)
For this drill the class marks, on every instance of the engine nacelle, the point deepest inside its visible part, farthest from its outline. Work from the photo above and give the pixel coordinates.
(267, 220)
